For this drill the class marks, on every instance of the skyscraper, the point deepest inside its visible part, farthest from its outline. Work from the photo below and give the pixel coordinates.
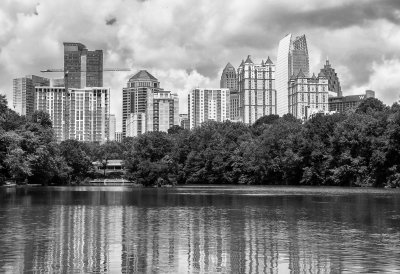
(54, 101)
(89, 114)
(207, 104)
(333, 79)
(256, 90)
(82, 68)
(292, 57)
(229, 80)
(147, 107)
(135, 95)
(24, 93)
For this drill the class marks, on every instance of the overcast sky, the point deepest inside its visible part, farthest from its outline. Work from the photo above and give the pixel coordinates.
(187, 43)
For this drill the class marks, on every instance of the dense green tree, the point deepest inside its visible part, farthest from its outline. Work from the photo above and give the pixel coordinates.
(76, 159)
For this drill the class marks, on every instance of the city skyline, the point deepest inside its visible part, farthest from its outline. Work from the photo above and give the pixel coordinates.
(366, 59)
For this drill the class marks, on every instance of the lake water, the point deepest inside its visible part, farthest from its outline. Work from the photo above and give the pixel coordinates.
(199, 229)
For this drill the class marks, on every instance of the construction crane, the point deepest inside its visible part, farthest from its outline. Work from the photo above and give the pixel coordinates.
(104, 69)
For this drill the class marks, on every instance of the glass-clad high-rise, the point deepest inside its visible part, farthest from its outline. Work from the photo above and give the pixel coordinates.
(83, 68)
(292, 57)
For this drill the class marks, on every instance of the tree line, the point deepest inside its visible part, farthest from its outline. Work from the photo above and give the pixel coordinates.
(358, 148)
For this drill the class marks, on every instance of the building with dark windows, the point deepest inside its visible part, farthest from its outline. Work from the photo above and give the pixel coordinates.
(308, 95)
(24, 93)
(342, 104)
(292, 57)
(256, 86)
(82, 67)
(147, 107)
(333, 79)
(229, 80)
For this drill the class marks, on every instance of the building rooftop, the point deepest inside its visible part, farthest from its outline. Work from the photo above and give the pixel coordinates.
(229, 66)
(301, 74)
(248, 60)
(268, 61)
(143, 75)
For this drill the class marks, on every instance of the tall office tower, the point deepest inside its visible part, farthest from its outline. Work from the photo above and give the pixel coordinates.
(112, 128)
(54, 101)
(229, 80)
(292, 57)
(234, 106)
(82, 67)
(135, 95)
(147, 107)
(89, 114)
(165, 111)
(333, 79)
(308, 95)
(207, 104)
(257, 92)
(24, 93)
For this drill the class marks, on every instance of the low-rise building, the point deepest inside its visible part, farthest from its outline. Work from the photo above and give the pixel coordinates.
(344, 103)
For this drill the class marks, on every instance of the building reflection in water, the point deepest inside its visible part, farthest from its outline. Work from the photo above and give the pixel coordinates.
(135, 232)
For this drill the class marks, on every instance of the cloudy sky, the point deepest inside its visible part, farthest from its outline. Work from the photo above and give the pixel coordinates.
(187, 43)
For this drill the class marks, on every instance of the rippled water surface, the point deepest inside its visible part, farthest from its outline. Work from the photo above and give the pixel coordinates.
(199, 229)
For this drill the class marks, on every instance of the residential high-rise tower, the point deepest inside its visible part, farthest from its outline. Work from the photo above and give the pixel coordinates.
(89, 114)
(257, 94)
(207, 104)
(55, 101)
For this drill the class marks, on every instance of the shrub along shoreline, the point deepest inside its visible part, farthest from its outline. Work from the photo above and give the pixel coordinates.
(359, 148)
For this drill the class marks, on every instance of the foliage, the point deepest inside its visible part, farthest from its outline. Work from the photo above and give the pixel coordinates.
(359, 148)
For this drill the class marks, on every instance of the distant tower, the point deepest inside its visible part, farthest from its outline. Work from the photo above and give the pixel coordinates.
(82, 68)
(135, 95)
(333, 79)
(147, 107)
(229, 80)
(208, 104)
(24, 93)
(292, 57)
(257, 92)
(112, 129)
